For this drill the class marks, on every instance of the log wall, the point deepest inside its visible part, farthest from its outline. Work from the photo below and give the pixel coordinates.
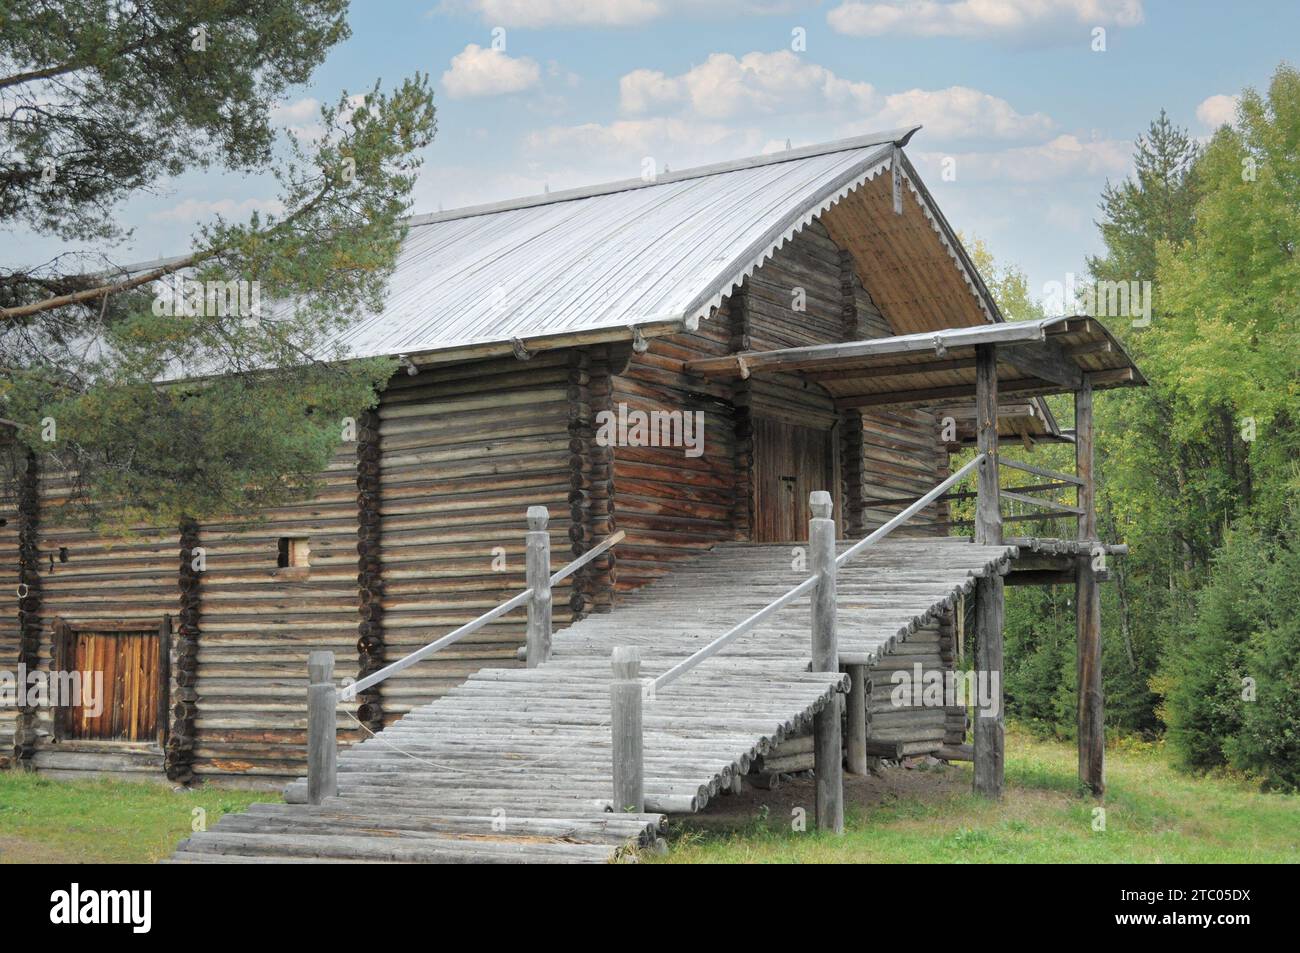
(464, 450)
(9, 630)
(105, 579)
(419, 527)
(257, 622)
(671, 505)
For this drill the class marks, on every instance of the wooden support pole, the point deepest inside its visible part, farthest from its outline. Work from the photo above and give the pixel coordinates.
(989, 722)
(990, 728)
(538, 567)
(856, 721)
(625, 721)
(988, 511)
(1087, 602)
(322, 745)
(828, 757)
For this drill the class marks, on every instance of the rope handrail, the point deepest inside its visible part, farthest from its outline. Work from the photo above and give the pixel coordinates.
(684, 666)
(350, 692)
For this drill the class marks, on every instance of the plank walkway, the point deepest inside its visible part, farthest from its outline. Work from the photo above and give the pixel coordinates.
(514, 764)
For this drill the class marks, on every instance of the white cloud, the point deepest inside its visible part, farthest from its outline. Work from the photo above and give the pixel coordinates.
(1218, 110)
(606, 13)
(301, 118)
(629, 139)
(194, 210)
(298, 111)
(543, 13)
(960, 112)
(786, 85)
(757, 83)
(476, 71)
(1064, 157)
(973, 19)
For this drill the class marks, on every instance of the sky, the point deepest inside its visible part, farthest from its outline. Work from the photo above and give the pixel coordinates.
(1029, 106)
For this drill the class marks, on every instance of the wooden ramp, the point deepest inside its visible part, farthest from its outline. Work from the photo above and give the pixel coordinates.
(515, 764)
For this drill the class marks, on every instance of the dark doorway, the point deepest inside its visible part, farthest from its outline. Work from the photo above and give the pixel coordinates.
(790, 462)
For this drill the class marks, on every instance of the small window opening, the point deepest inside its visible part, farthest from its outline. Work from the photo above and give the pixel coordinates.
(293, 551)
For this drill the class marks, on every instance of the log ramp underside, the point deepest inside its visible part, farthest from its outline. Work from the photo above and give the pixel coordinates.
(514, 765)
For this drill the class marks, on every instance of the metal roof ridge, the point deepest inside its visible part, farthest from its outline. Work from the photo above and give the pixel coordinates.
(898, 137)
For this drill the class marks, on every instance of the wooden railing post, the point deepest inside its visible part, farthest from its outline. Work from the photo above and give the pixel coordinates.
(322, 745)
(828, 757)
(625, 719)
(989, 731)
(538, 568)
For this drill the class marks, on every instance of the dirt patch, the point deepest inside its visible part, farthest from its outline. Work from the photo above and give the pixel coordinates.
(924, 783)
(30, 850)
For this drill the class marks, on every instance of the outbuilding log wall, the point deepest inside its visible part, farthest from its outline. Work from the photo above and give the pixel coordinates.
(104, 580)
(9, 631)
(257, 622)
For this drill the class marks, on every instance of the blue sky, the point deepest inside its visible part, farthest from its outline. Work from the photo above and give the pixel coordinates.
(582, 92)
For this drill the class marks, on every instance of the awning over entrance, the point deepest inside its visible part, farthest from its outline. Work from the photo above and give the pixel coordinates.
(1034, 358)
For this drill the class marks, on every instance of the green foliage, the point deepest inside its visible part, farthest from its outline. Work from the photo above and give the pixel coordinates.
(161, 415)
(1248, 627)
(116, 96)
(1204, 667)
(1198, 471)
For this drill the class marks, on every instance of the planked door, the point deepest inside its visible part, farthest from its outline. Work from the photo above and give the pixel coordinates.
(131, 663)
(790, 462)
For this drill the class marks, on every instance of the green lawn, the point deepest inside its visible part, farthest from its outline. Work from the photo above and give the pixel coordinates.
(1153, 815)
(103, 822)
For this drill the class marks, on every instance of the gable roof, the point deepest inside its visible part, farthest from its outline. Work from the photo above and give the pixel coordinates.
(658, 255)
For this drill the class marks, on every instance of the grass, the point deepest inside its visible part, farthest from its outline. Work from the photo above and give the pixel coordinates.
(1153, 814)
(103, 822)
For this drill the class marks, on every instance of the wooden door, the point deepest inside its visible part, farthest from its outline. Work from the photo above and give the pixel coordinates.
(132, 667)
(790, 462)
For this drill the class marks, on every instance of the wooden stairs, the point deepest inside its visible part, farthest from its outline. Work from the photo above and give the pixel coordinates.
(514, 765)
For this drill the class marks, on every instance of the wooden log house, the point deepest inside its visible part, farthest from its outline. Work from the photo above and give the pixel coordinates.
(812, 309)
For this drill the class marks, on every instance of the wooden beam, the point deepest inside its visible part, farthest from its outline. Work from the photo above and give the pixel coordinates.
(1043, 359)
(1051, 505)
(928, 394)
(1040, 577)
(1090, 347)
(818, 355)
(626, 721)
(1042, 472)
(855, 745)
(537, 568)
(988, 519)
(990, 740)
(827, 748)
(1091, 728)
(889, 370)
(322, 728)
